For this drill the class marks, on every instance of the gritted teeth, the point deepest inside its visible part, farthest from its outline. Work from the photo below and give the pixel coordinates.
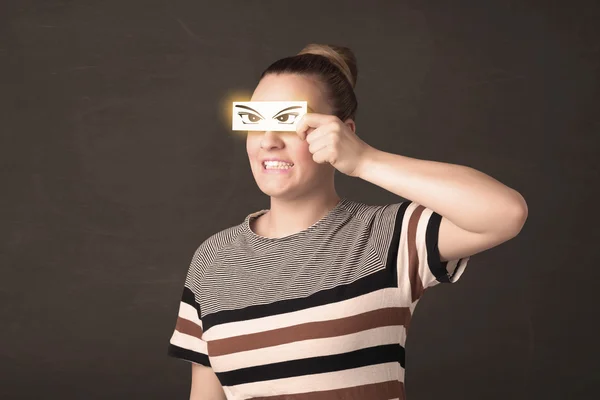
(277, 163)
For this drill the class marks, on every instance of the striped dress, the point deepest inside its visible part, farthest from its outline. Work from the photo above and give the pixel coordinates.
(320, 314)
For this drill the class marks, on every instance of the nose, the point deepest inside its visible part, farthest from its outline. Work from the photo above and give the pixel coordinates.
(271, 139)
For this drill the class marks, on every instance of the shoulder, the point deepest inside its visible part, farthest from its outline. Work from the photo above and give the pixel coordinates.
(374, 215)
(220, 240)
(210, 249)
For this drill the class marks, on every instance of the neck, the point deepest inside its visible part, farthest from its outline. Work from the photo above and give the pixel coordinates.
(289, 216)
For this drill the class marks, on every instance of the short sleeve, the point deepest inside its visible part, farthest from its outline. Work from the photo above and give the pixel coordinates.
(187, 342)
(418, 261)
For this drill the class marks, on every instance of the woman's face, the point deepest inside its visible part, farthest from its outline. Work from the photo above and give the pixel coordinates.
(306, 175)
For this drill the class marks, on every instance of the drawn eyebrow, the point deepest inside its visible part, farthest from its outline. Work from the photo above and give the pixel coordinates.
(285, 109)
(249, 108)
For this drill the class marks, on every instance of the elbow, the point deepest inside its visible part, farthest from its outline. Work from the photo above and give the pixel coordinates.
(516, 219)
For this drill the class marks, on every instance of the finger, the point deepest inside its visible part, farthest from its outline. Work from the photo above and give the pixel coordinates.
(314, 134)
(310, 120)
(318, 145)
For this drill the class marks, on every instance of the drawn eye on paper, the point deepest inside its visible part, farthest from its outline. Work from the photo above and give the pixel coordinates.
(267, 115)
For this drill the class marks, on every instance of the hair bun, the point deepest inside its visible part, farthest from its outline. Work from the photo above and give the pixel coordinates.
(340, 56)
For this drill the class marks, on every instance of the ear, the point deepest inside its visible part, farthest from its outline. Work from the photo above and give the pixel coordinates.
(351, 124)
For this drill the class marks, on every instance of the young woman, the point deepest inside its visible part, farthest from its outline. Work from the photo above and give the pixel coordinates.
(312, 298)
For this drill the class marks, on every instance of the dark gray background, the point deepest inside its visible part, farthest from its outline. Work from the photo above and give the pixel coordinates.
(117, 162)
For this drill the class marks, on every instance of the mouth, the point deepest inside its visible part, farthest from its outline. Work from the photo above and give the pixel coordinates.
(276, 167)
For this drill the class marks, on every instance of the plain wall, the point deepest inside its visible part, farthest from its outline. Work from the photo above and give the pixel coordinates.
(118, 161)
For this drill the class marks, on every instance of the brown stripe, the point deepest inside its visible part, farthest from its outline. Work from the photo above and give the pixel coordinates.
(188, 327)
(375, 391)
(312, 330)
(416, 284)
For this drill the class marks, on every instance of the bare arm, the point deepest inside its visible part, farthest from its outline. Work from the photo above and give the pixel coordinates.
(205, 384)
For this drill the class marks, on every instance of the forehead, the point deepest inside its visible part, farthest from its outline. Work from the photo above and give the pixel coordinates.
(291, 87)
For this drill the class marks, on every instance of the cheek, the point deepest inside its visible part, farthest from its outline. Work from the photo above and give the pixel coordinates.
(252, 146)
(302, 154)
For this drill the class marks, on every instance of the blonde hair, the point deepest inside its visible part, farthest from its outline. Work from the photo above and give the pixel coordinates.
(341, 57)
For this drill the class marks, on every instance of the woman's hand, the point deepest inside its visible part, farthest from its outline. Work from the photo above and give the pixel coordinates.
(333, 141)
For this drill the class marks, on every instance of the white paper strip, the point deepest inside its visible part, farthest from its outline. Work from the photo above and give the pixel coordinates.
(267, 115)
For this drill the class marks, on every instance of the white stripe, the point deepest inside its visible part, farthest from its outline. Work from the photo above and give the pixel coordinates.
(389, 297)
(310, 348)
(188, 312)
(189, 342)
(457, 269)
(427, 276)
(404, 283)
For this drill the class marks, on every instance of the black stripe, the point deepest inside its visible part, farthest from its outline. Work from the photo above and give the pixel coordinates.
(392, 257)
(368, 284)
(188, 355)
(315, 365)
(188, 297)
(436, 266)
(451, 275)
